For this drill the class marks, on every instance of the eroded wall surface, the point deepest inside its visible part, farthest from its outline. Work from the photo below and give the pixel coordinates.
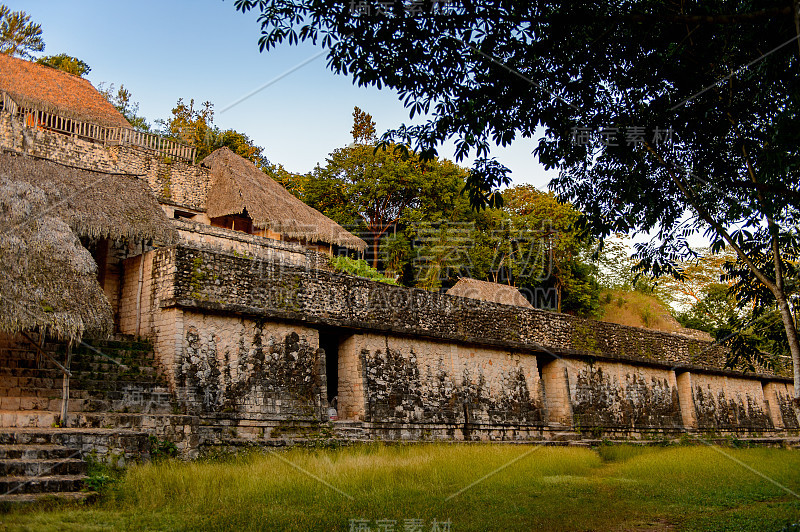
(614, 395)
(315, 296)
(421, 365)
(256, 368)
(728, 403)
(409, 380)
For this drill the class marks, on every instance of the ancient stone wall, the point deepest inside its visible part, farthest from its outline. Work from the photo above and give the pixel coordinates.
(279, 290)
(253, 246)
(778, 395)
(171, 179)
(409, 380)
(413, 364)
(252, 369)
(622, 396)
(726, 403)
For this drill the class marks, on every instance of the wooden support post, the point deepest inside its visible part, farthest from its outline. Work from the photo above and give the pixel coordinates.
(139, 294)
(65, 387)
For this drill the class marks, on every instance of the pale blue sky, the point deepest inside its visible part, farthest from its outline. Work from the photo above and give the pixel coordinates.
(206, 50)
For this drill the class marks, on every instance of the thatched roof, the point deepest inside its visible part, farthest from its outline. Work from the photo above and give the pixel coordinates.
(486, 291)
(47, 279)
(94, 204)
(55, 91)
(238, 186)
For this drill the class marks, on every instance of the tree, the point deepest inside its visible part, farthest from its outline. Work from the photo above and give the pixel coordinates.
(700, 278)
(67, 63)
(122, 100)
(363, 184)
(532, 243)
(18, 35)
(662, 117)
(363, 127)
(196, 127)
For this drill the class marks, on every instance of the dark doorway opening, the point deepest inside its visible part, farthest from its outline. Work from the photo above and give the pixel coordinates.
(329, 340)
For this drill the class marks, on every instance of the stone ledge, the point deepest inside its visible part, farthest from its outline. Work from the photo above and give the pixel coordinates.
(555, 352)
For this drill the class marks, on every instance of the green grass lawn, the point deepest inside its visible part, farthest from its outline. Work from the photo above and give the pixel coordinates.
(536, 488)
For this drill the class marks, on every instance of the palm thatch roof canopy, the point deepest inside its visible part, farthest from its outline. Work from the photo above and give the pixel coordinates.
(47, 279)
(94, 204)
(55, 91)
(486, 291)
(238, 186)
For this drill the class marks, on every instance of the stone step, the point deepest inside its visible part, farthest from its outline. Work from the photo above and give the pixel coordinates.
(566, 436)
(41, 484)
(30, 468)
(64, 437)
(78, 390)
(131, 401)
(35, 452)
(28, 418)
(42, 419)
(48, 444)
(17, 376)
(11, 377)
(10, 361)
(29, 498)
(28, 352)
(90, 413)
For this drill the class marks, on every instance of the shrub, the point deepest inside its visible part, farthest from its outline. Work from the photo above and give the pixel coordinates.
(360, 268)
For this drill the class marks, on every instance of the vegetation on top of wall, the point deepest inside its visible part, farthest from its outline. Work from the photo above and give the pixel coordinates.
(636, 308)
(360, 268)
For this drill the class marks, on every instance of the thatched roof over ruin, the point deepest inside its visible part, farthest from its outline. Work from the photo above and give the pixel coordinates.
(486, 291)
(47, 279)
(55, 91)
(238, 186)
(94, 204)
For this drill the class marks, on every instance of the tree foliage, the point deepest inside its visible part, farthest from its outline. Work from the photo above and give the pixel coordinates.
(663, 117)
(67, 63)
(122, 100)
(376, 188)
(18, 35)
(195, 126)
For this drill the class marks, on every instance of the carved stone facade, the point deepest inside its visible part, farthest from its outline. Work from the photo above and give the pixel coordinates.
(257, 338)
(263, 344)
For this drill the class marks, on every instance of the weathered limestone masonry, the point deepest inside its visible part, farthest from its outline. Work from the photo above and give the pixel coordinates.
(253, 246)
(260, 369)
(414, 364)
(256, 338)
(414, 388)
(173, 180)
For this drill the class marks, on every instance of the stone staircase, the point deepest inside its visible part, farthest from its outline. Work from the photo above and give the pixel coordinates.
(30, 386)
(108, 405)
(31, 466)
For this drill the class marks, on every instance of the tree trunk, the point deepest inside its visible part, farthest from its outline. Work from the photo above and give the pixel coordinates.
(375, 241)
(794, 343)
(558, 296)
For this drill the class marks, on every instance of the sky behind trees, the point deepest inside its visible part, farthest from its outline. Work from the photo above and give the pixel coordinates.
(206, 50)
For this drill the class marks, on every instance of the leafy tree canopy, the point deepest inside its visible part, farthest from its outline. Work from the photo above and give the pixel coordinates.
(663, 117)
(18, 35)
(195, 126)
(67, 63)
(122, 99)
(376, 188)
